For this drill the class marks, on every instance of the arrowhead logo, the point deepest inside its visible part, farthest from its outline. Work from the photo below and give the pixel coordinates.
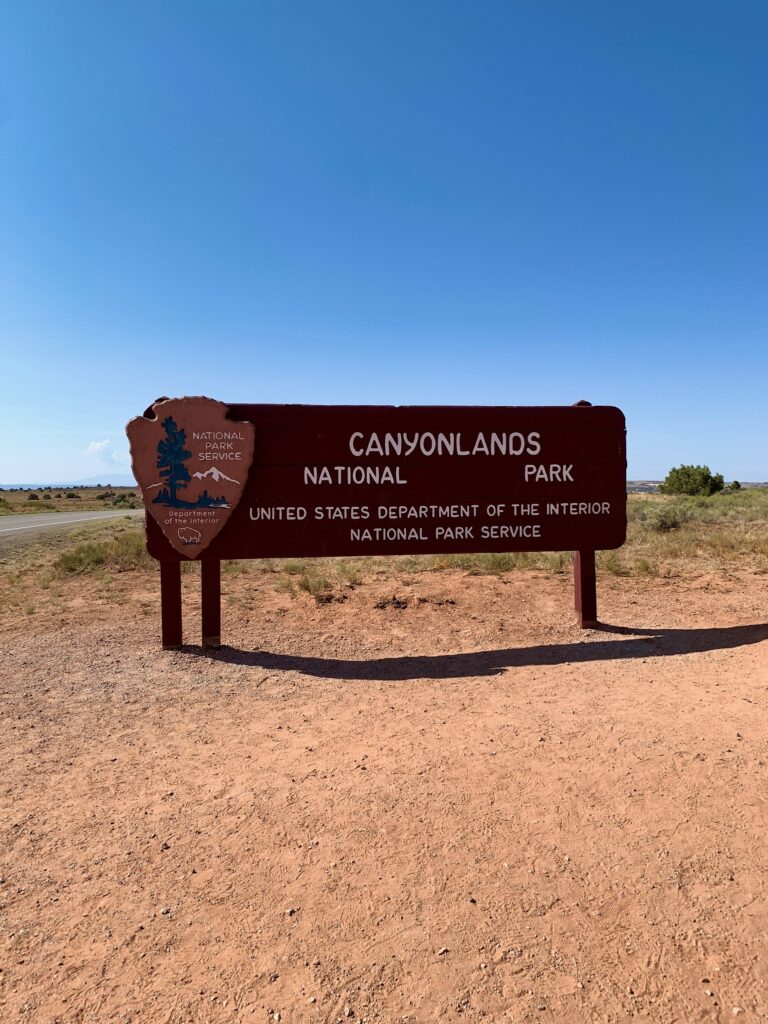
(191, 463)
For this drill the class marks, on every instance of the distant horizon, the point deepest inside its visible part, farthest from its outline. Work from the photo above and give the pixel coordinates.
(112, 482)
(107, 480)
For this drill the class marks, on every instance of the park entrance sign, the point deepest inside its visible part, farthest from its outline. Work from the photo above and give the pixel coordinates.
(266, 481)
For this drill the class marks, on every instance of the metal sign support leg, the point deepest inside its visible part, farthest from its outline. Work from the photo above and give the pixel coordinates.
(210, 581)
(170, 603)
(585, 588)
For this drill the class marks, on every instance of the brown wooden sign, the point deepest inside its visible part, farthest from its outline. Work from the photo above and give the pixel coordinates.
(373, 480)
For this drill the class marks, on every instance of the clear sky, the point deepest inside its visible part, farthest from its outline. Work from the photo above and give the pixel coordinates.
(410, 201)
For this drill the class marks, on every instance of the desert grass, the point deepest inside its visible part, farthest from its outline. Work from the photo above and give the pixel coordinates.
(77, 499)
(42, 571)
(667, 536)
(677, 535)
(125, 551)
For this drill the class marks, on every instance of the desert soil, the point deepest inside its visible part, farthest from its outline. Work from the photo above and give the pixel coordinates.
(466, 811)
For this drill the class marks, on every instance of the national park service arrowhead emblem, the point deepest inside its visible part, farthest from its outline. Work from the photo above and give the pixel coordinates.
(191, 464)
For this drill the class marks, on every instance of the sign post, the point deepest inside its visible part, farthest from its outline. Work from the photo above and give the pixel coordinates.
(271, 481)
(585, 588)
(170, 603)
(210, 585)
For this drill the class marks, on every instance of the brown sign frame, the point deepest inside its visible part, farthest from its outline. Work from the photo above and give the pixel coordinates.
(386, 480)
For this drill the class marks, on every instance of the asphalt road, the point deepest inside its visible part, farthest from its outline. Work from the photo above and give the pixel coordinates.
(10, 525)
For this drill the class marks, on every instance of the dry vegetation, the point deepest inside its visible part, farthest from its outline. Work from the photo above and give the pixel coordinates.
(67, 499)
(668, 537)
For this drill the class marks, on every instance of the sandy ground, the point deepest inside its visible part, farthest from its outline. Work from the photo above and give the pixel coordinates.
(463, 811)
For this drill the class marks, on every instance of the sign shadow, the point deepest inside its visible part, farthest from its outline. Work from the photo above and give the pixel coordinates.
(638, 643)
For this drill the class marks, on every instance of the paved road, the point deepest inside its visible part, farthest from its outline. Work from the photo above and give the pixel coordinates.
(10, 525)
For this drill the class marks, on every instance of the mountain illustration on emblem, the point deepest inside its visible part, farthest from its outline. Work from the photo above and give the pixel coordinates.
(191, 462)
(172, 457)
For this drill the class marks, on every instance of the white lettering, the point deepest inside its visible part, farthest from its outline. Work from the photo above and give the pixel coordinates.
(549, 474)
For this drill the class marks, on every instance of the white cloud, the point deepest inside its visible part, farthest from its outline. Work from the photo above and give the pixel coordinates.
(107, 453)
(120, 458)
(94, 447)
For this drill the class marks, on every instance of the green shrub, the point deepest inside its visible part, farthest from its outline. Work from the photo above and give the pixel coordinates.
(33, 497)
(125, 552)
(235, 567)
(83, 558)
(609, 561)
(643, 567)
(71, 494)
(296, 567)
(692, 480)
(314, 584)
(663, 518)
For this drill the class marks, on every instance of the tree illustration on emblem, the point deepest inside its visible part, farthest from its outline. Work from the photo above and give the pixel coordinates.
(171, 456)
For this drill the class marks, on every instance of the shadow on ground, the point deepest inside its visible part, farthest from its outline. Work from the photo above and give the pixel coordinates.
(639, 643)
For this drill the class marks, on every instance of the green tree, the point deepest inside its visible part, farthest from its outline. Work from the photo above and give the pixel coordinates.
(171, 456)
(692, 480)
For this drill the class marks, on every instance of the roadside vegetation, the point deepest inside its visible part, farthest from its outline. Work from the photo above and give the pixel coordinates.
(80, 499)
(668, 536)
(124, 552)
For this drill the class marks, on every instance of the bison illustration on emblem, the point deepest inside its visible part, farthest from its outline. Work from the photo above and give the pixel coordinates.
(188, 535)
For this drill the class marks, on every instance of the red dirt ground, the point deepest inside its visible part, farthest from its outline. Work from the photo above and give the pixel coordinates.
(443, 812)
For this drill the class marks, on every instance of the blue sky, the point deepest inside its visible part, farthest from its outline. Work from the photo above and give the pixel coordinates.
(405, 202)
